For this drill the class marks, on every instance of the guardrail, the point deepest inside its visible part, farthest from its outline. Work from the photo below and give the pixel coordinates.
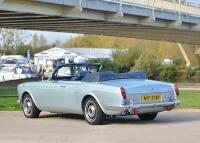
(178, 6)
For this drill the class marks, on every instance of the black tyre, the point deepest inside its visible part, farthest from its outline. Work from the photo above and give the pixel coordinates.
(29, 108)
(92, 112)
(147, 117)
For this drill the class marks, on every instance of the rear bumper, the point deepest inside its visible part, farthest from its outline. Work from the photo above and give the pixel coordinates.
(133, 107)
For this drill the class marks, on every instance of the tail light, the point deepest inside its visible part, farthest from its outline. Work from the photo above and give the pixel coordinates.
(123, 92)
(176, 89)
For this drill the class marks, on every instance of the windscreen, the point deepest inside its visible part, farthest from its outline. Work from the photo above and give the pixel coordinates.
(69, 71)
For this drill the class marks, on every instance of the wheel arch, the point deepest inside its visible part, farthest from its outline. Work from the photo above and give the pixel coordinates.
(25, 93)
(93, 96)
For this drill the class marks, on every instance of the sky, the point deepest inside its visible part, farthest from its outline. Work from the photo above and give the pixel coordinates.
(52, 36)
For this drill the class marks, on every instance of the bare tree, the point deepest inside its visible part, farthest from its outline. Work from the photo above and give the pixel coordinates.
(12, 38)
(35, 41)
(42, 40)
(57, 43)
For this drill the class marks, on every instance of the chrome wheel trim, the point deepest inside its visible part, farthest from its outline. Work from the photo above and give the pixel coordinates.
(27, 106)
(90, 111)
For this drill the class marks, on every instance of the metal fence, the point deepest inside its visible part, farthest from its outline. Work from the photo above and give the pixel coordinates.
(179, 6)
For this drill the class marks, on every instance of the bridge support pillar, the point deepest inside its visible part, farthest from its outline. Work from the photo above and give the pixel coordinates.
(179, 20)
(120, 10)
(79, 6)
(76, 9)
(153, 11)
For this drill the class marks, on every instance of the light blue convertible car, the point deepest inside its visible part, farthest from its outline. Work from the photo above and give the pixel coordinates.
(84, 89)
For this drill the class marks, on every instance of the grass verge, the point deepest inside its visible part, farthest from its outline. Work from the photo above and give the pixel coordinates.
(190, 99)
(8, 92)
(8, 99)
(9, 104)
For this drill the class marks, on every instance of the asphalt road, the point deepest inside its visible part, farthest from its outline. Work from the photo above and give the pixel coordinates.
(179, 126)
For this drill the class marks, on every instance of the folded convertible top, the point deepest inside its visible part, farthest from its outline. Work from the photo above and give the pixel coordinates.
(109, 75)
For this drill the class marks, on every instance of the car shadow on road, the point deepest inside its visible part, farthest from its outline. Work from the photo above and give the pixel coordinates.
(161, 118)
(63, 116)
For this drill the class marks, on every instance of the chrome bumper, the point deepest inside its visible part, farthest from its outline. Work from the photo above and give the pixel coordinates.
(133, 107)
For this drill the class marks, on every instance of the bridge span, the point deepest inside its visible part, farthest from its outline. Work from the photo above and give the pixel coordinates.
(167, 20)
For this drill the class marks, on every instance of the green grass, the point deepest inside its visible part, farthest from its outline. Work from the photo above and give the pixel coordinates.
(190, 99)
(9, 104)
(8, 92)
(8, 99)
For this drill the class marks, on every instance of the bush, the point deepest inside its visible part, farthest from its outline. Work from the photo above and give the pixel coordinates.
(196, 77)
(109, 65)
(149, 64)
(121, 68)
(190, 73)
(178, 62)
(126, 57)
(168, 72)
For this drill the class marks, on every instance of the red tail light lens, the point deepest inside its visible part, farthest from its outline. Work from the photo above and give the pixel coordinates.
(176, 89)
(123, 92)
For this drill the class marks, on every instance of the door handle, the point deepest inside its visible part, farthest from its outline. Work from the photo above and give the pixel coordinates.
(62, 86)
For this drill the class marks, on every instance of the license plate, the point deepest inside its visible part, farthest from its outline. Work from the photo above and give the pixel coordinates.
(152, 97)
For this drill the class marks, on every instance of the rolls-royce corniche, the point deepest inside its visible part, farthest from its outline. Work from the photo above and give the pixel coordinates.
(87, 90)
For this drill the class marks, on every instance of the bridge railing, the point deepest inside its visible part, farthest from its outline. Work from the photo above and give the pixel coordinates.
(178, 6)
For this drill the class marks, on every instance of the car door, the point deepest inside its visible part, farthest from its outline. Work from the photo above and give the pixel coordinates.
(67, 93)
(58, 95)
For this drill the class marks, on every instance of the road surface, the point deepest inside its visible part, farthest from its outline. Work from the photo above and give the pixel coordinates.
(179, 126)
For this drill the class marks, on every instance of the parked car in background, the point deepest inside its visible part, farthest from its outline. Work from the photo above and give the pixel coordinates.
(84, 89)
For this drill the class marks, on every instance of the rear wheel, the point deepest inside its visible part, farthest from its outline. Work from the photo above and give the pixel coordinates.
(92, 112)
(29, 108)
(147, 117)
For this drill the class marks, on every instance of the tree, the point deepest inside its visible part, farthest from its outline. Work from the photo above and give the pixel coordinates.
(42, 40)
(56, 43)
(117, 42)
(107, 65)
(12, 38)
(168, 72)
(190, 73)
(149, 64)
(126, 57)
(35, 41)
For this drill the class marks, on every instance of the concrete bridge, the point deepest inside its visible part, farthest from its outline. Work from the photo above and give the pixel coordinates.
(168, 20)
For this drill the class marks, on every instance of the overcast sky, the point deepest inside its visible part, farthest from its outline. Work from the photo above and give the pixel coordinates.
(52, 36)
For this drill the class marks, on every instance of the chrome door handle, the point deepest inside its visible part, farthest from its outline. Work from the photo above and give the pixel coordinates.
(62, 86)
